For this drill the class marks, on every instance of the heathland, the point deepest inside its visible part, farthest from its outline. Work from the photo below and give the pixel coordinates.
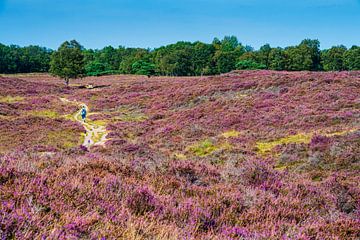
(243, 155)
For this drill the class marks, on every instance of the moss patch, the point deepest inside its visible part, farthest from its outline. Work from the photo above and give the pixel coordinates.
(11, 99)
(230, 134)
(45, 114)
(131, 117)
(206, 147)
(266, 147)
(64, 139)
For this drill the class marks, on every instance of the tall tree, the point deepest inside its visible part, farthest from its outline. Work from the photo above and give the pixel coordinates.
(352, 58)
(305, 56)
(277, 59)
(263, 55)
(333, 59)
(68, 61)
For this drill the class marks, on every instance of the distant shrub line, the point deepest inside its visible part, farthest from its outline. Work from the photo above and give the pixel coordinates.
(188, 58)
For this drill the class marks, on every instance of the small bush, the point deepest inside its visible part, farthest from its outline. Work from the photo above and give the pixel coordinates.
(142, 201)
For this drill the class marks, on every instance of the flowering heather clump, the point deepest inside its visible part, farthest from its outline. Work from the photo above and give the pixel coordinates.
(244, 155)
(142, 201)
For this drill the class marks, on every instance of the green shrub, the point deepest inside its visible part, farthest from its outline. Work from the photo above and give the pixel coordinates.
(249, 65)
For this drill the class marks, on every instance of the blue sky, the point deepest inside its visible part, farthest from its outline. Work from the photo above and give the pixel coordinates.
(152, 23)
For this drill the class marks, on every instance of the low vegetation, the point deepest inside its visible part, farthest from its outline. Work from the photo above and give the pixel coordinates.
(244, 155)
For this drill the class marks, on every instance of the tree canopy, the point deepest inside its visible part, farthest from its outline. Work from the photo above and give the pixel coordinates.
(68, 61)
(71, 60)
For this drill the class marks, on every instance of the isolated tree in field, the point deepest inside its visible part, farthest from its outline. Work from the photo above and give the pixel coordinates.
(68, 61)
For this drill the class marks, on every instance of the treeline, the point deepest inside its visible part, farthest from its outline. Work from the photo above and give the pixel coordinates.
(15, 59)
(189, 59)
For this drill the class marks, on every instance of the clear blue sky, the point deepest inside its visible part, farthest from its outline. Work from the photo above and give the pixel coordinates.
(152, 23)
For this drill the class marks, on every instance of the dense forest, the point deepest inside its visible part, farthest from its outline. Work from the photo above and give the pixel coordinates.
(188, 59)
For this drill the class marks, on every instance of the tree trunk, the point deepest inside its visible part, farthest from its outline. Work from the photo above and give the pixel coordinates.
(67, 82)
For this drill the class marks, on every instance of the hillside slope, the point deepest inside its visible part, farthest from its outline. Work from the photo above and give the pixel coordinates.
(245, 155)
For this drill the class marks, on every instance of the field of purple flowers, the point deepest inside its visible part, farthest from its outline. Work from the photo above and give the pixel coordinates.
(245, 155)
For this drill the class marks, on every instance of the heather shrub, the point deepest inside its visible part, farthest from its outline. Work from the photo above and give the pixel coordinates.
(143, 201)
(319, 143)
(245, 155)
(255, 172)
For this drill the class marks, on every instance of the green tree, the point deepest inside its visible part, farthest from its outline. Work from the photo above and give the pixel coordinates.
(202, 58)
(305, 56)
(34, 59)
(175, 59)
(333, 59)
(225, 61)
(142, 67)
(130, 56)
(227, 52)
(263, 55)
(352, 58)
(94, 68)
(68, 61)
(277, 59)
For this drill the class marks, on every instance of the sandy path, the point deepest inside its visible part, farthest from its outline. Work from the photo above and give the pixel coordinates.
(95, 134)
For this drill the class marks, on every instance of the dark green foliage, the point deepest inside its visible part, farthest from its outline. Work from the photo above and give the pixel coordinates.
(143, 68)
(225, 61)
(202, 59)
(131, 55)
(249, 65)
(333, 58)
(185, 58)
(277, 59)
(227, 52)
(15, 59)
(95, 68)
(175, 59)
(68, 61)
(305, 56)
(352, 58)
(264, 54)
